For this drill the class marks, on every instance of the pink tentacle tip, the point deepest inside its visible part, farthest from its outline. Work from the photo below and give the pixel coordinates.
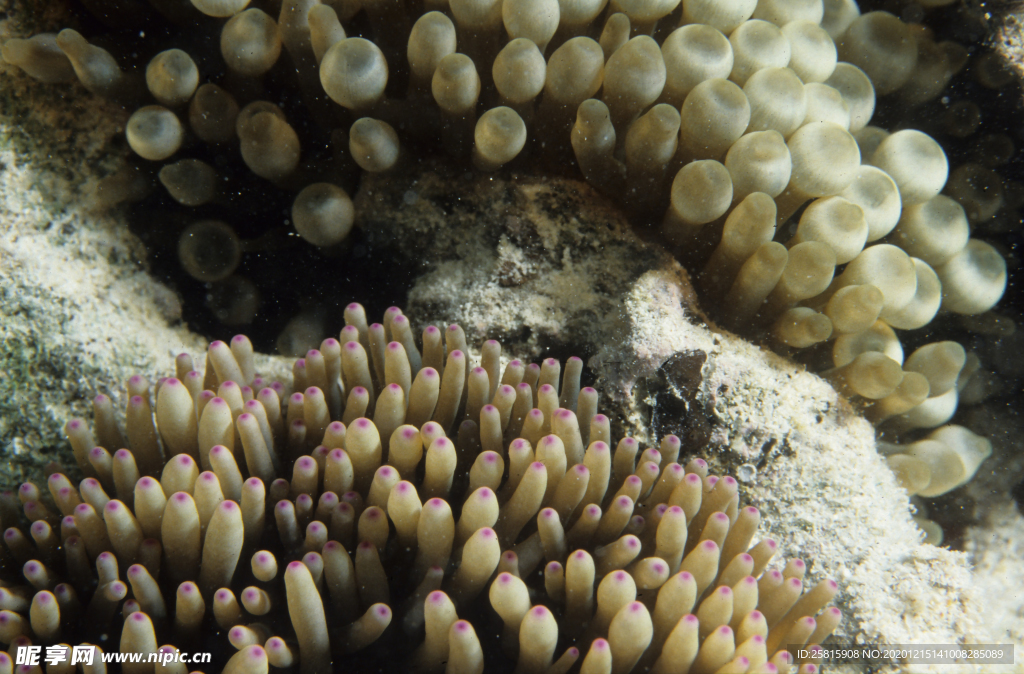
(709, 545)
(462, 627)
(456, 355)
(487, 532)
(633, 542)
(362, 423)
(95, 452)
(122, 455)
(228, 506)
(139, 617)
(384, 611)
(539, 611)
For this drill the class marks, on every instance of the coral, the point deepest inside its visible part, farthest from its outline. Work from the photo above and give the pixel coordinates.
(642, 556)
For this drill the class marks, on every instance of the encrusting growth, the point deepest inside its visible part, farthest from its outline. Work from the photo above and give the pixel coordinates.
(335, 526)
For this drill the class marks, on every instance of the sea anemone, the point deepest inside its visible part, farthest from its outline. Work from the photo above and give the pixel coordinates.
(681, 125)
(462, 515)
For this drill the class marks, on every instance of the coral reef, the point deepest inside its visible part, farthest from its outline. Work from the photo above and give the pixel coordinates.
(513, 281)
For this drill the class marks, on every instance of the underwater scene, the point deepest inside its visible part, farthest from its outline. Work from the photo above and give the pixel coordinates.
(532, 336)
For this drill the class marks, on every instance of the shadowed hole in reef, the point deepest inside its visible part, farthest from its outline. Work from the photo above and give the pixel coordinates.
(674, 409)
